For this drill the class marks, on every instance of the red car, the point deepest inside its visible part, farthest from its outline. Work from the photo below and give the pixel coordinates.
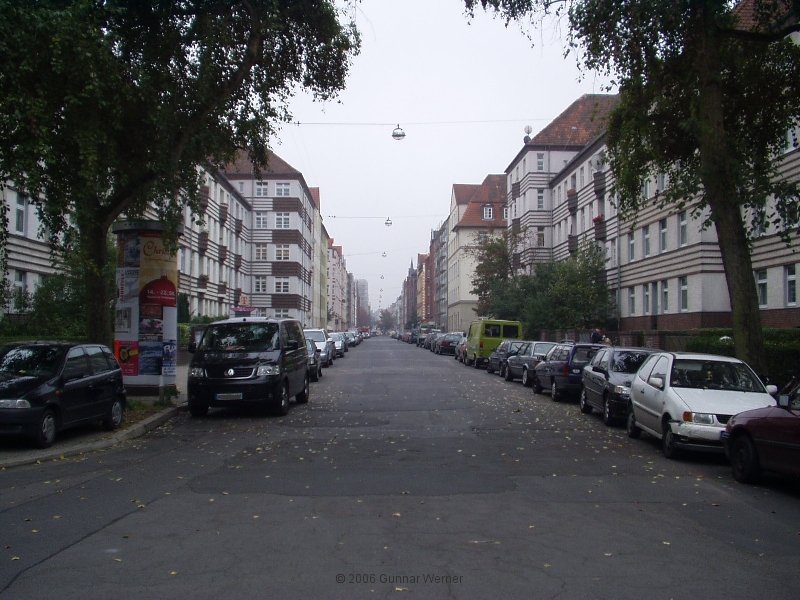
(765, 439)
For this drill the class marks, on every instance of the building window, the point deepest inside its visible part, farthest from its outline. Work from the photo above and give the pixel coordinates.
(282, 220)
(645, 189)
(281, 285)
(241, 187)
(540, 237)
(261, 221)
(646, 240)
(664, 296)
(646, 299)
(662, 228)
(261, 189)
(661, 182)
(791, 285)
(487, 213)
(761, 287)
(282, 252)
(540, 161)
(282, 189)
(505, 212)
(682, 239)
(19, 224)
(260, 284)
(631, 300)
(281, 313)
(631, 246)
(261, 252)
(683, 283)
(581, 177)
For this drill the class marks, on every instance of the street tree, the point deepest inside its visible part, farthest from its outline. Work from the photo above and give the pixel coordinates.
(110, 107)
(387, 319)
(709, 90)
(494, 268)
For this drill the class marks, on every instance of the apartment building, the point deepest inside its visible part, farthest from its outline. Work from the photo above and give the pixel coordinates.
(664, 269)
(475, 211)
(337, 288)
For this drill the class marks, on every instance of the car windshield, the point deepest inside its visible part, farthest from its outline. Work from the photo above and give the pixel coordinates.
(628, 361)
(714, 375)
(237, 337)
(38, 360)
(317, 336)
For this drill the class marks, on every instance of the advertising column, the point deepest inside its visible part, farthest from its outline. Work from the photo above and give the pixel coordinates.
(146, 323)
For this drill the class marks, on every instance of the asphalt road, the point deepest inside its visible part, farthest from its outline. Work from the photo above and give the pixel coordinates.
(407, 475)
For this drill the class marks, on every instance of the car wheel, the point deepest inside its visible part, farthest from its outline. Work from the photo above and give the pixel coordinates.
(315, 374)
(198, 409)
(302, 397)
(744, 459)
(46, 432)
(537, 385)
(282, 406)
(555, 396)
(475, 362)
(507, 373)
(668, 441)
(584, 403)
(607, 418)
(115, 415)
(631, 427)
(525, 378)
(319, 374)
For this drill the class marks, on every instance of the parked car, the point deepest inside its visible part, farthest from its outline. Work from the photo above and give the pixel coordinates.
(327, 349)
(686, 399)
(339, 343)
(562, 369)
(430, 339)
(51, 386)
(350, 338)
(607, 381)
(314, 360)
(765, 439)
(485, 335)
(446, 344)
(249, 361)
(522, 363)
(461, 349)
(497, 359)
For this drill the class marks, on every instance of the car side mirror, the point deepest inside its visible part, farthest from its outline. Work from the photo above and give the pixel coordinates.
(772, 390)
(656, 382)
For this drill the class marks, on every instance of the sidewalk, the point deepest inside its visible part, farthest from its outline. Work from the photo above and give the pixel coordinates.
(14, 454)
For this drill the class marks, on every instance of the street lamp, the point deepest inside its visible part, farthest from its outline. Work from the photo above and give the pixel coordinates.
(398, 134)
(388, 222)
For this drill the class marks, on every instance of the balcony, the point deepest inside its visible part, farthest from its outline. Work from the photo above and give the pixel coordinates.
(600, 229)
(238, 226)
(237, 261)
(202, 242)
(202, 282)
(222, 288)
(599, 184)
(572, 201)
(223, 254)
(205, 196)
(515, 190)
(572, 244)
(223, 213)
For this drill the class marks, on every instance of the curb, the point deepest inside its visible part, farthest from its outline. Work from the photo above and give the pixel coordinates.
(134, 431)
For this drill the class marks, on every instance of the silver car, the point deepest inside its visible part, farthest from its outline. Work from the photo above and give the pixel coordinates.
(324, 343)
(686, 399)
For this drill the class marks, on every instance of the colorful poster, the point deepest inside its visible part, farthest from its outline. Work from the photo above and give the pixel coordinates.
(150, 358)
(127, 354)
(169, 359)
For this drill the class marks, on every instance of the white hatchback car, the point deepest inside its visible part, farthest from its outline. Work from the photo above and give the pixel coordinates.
(686, 399)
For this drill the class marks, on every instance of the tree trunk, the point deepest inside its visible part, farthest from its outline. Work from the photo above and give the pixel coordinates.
(724, 204)
(94, 255)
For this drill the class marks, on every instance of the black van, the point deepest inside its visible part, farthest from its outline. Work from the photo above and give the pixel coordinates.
(249, 361)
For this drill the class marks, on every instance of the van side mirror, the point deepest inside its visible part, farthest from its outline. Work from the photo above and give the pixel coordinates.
(292, 345)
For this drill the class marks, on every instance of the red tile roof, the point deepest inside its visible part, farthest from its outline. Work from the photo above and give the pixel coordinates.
(747, 13)
(580, 123)
(491, 192)
(464, 191)
(242, 167)
(315, 199)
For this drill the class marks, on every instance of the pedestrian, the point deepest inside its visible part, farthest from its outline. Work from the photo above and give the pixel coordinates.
(597, 336)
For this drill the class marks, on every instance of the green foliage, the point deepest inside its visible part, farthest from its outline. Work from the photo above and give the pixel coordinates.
(387, 320)
(122, 100)
(184, 314)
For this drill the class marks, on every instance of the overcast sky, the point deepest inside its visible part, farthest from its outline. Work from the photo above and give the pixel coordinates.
(462, 91)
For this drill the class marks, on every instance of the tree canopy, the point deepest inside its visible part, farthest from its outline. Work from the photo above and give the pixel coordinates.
(110, 107)
(709, 89)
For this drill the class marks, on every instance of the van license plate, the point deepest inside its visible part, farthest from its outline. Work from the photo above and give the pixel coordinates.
(230, 396)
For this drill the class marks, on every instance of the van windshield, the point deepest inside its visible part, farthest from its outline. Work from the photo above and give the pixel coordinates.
(241, 337)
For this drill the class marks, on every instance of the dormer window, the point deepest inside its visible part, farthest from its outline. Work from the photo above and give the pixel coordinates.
(488, 214)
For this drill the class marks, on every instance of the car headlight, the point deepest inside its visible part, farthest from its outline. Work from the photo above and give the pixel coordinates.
(265, 370)
(622, 390)
(700, 418)
(197, 372)
(14, 403)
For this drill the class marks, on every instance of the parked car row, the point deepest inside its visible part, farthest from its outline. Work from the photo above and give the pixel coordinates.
(689, 402)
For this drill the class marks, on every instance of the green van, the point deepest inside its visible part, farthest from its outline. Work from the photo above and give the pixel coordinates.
(485, 335)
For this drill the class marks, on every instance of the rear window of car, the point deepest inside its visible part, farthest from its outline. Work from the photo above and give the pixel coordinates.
(98, 360)
(715, 375)
(583, 354)
(317, 336)
(626, 361)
